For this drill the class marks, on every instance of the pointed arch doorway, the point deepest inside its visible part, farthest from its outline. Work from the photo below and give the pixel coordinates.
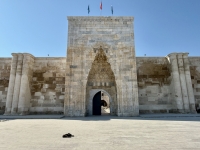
(101, 103)
(101, 78)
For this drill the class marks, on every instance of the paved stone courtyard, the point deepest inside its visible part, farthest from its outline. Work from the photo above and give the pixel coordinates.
(103, 132)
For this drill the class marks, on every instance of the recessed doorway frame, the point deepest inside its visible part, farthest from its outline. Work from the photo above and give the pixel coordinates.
(92, 93)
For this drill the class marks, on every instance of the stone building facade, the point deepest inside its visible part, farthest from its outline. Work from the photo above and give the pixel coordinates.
(100, 57)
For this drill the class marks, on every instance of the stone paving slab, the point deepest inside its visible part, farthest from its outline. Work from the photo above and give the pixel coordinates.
(168, 115)
(32, 117)
(101, 133)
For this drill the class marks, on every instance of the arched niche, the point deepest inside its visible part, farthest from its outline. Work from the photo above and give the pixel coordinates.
(101, 77)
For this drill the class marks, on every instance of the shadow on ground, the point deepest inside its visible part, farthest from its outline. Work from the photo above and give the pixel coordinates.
(173, 117)
(161, 117)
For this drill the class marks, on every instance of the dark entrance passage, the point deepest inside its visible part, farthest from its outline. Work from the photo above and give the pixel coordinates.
(103, 103)
(97, 104)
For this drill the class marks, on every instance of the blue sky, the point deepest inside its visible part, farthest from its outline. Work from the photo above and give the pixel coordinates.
(39, 27)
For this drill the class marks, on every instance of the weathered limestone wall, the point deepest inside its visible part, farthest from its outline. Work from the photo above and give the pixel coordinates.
(156, 88)
(48, 85)
(154, 85)
(36, 85)
(194, 63)
(116, 37)
(165, 84)
(4, 80)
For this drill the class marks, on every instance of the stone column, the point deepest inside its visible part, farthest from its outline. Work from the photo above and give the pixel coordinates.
(183, 83)
(25, 94)
(189, 83)
(11, 84)
(17, 84)
(177, 94)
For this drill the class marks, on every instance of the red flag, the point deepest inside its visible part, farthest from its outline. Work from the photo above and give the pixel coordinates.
(101, 5)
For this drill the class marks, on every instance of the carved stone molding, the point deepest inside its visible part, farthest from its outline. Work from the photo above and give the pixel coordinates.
(101, 73)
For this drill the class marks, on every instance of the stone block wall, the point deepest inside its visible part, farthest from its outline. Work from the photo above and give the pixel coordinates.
(86, 36)
(48, 86)
(45, 81)
(5, 64)
(195, 77)
(168, 84)
(154, 85)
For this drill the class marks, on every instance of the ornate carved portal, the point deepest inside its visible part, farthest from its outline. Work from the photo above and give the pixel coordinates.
(101, 77)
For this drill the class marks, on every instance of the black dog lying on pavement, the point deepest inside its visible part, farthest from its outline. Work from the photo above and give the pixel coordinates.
(68, 135)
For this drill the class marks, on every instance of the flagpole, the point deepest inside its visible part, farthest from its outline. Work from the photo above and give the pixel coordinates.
(101, 7)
